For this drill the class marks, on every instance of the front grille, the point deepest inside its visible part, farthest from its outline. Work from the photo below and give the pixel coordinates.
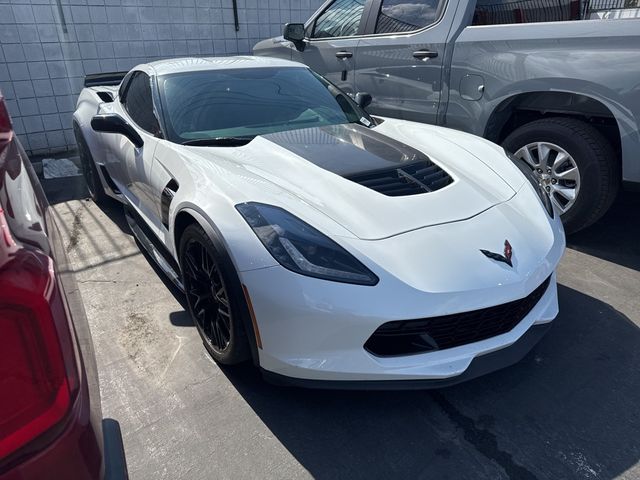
(410, 179)
(405, 337)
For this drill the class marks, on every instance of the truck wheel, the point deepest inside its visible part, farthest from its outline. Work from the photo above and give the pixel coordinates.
(89, 169)
(573, 162)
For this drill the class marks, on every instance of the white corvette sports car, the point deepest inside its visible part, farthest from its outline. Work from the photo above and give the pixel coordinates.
(333, 248)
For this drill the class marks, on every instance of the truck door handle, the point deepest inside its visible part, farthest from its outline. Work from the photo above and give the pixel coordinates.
(343, 55)
(424, 54)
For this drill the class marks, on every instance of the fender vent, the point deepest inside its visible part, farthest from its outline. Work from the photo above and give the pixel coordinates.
(107, 178)
(411, 179)
(165, 200)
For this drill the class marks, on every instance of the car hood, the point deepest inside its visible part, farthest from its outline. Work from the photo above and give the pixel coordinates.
(274, 47)
(344, 172)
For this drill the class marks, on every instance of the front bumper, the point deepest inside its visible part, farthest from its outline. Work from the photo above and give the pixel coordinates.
(481, 365)
(315, 331)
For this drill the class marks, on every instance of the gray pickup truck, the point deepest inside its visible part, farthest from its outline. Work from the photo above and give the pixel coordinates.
(556, 82)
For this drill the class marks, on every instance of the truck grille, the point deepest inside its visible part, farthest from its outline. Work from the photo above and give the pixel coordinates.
(405, 337)
(410, 179)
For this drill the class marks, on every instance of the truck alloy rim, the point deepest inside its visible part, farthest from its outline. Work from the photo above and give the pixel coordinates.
(207, 295)
(556, 171)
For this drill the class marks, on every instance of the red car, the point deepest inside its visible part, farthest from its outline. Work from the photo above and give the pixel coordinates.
(51, 423)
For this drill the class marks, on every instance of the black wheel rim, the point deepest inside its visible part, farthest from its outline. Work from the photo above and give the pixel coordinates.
(207, 295)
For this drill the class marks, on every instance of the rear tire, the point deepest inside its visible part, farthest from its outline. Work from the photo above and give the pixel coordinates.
(89, 169)
(214, 297)
(596, 162)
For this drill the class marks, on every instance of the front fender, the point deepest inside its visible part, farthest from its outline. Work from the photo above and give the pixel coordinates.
(245, 250)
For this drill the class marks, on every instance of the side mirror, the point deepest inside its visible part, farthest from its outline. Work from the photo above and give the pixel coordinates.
(294, 32)
(363, 99)
(114, 123)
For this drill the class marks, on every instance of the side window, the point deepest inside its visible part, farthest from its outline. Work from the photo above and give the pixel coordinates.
(497, 12)
(340, 19)
(138, 103)
(406, 15)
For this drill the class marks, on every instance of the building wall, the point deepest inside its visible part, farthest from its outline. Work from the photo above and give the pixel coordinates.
(48, 46)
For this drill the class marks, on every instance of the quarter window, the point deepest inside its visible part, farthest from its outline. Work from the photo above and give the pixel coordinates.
(123, 85)
(138, 103)
(406, 15)
(340, 19)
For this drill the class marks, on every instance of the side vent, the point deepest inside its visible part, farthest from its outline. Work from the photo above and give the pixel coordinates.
(165, 201)
(106, 97)
(410, 179)
(109, 180)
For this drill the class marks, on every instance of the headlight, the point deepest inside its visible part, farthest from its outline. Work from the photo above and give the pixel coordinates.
(526, 170)
(301, 248)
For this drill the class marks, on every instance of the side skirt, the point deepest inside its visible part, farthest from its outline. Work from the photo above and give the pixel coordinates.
(152, 244)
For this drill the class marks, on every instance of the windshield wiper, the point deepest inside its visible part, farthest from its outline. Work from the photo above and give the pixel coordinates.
(219, 142)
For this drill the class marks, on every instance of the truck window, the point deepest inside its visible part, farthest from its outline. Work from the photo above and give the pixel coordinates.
(340, 19)
(138, 103)
(406, 15)
(496, 12)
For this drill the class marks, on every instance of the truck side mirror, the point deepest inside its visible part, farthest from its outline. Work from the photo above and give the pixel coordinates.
(294, 32)
(114, 123)
(363, 99)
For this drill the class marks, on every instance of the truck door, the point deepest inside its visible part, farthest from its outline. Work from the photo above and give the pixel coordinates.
(332, 39)
(401, 56)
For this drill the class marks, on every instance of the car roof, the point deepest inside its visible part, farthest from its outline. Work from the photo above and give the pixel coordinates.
(195, 64)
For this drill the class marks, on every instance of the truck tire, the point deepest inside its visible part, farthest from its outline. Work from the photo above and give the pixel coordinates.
(574, 163)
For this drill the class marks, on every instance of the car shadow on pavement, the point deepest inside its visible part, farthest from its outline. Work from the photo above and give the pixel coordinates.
(567, 410)
(115, 212)
(64, 189)
(615, 237)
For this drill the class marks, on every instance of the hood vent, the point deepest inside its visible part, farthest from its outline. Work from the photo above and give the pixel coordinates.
(410, 179)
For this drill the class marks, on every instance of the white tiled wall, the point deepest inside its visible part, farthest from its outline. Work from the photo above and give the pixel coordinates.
(49, 45)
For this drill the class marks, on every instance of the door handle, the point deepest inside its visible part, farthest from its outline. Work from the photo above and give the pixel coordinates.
(424, 54)
(343, 54)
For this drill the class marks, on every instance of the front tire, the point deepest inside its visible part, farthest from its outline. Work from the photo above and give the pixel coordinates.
(214, 297)
(574, 162)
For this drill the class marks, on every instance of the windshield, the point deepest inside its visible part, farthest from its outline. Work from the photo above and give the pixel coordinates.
(243, 103)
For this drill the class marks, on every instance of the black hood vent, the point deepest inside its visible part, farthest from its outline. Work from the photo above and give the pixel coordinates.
(412, 179)
(367, 157)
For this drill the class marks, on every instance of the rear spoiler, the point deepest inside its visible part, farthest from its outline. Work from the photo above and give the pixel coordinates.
(104, 79)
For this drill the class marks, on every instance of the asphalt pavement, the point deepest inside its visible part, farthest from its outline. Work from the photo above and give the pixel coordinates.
(570, 409)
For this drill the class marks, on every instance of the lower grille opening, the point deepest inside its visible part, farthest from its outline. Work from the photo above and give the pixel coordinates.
(406, 337)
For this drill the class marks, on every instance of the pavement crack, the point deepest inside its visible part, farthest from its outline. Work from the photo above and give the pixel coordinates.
(75, 230)
(96, 281)
(483, 440)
